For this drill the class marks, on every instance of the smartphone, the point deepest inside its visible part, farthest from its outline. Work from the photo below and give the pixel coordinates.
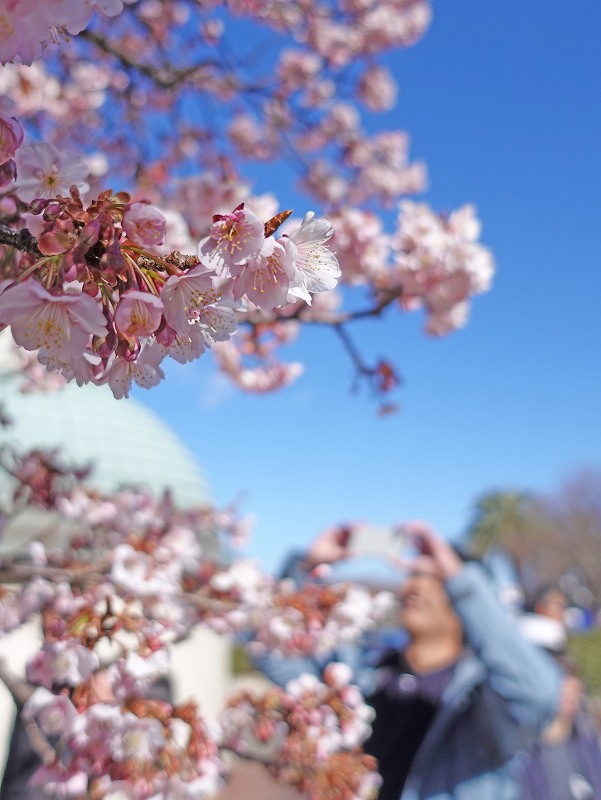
(378, 540)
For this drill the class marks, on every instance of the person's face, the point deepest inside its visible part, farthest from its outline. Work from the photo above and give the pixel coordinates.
(425, 606)
(553, 605)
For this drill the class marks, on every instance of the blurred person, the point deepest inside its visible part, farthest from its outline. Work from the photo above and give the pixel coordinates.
(461, 698)
(545, 624)
(565, 764)
(551, 602)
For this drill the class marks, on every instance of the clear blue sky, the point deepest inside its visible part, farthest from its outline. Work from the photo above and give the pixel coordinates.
(503, 102)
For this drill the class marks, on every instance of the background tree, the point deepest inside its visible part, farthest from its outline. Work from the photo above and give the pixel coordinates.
(573, 517)
(503, 522)
(550, 539)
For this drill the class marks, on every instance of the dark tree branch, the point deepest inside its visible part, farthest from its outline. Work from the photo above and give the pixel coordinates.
(381, 302)
(21, 240)
(21, 573)
(353, 351)
(164, 78)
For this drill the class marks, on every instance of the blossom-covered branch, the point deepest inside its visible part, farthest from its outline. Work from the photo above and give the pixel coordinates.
(100, 109)
(134, 574)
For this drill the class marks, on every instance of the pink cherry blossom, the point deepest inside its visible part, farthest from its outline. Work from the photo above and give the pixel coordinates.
(137, 739)
(378, 89)
(134, 674)
(61, 368)
(55, 714)
(45, 172)
(18, 608)
(326, 182)
(31, 89)
(298, 68)
(200, 198)
(263, 378)
(28, 25)
(233, 238)
(184, 295)
(440, 264)
(177, 234)
(218, 322)
(94, 728)
(144, 224)
(57, 663)
(251, 139)
(361, 245)
(11, 137)
(58, 325)
(185, 347)
(317, 265)
(144, 370)
(265, 279)
(138, 313)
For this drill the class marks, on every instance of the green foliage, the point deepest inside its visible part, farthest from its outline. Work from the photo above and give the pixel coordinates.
(499, 518)
(585, 648)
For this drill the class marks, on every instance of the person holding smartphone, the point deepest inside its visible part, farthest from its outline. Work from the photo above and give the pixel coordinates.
(465, 695)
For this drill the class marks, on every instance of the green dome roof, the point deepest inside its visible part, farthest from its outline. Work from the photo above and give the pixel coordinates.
(126, 442)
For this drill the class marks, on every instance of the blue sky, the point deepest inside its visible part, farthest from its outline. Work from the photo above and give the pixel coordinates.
(502, 101)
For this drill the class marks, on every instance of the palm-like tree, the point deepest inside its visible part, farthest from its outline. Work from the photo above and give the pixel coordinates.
(499, 521)
(510, 522)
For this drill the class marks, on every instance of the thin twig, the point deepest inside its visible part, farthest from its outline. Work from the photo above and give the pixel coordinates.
(353, 351)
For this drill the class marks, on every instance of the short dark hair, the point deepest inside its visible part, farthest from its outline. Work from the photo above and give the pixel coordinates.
(541, 594)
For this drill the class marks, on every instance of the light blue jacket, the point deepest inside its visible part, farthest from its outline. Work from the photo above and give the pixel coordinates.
(503, 691)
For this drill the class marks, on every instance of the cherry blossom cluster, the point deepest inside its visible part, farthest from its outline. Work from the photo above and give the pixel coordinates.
(123, 577)
(114, 740)
(309, 734)
(135, 747)
(161, 572)
(171, 101)
(439, 263)
(431, 261)
(317, 618)
(251, 362)
(294, 107)
(99, 305)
